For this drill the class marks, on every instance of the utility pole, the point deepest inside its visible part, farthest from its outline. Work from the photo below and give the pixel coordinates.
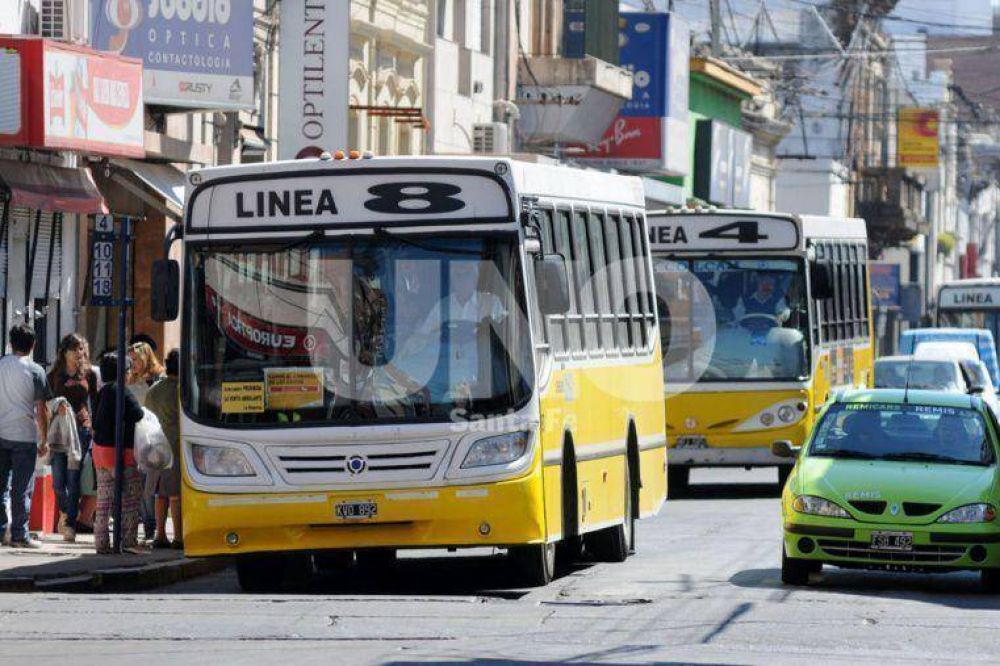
(716, 21)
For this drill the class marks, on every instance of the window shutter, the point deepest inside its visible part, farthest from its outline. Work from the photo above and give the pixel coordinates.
(26, 219)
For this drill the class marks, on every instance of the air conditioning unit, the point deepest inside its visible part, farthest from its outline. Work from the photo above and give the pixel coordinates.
(490, 139)
(64, 20)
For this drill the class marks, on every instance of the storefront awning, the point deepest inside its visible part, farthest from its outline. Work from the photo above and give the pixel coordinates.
(165, 180)
(50, 188)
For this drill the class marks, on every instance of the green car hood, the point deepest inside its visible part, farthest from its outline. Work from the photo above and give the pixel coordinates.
(843, 481)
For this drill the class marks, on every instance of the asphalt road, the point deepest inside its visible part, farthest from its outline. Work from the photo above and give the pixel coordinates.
(704, 587)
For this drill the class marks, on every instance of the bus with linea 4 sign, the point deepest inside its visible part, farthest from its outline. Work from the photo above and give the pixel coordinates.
(970, 303)
(397, 353)
(761, 316)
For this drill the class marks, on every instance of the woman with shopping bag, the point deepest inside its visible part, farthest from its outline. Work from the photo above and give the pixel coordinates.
(74, 384)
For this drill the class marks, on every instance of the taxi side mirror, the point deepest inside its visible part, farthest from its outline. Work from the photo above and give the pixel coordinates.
(784, 449)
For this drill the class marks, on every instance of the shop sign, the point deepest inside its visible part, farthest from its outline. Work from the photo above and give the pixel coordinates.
(722, 164)
(885, 284)
(314, 38)
(195, 53)
(917, 141)
(650, 133)
(71, 98)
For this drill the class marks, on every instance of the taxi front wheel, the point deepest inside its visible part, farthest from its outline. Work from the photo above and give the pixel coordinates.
(795, 571)
(990, 580)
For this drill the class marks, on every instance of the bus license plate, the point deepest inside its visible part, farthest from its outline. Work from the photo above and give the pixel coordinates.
(892, 541)
(691, 442)
(363, 510)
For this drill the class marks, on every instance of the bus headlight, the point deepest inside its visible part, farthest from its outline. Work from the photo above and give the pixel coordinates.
(220, 461)
(497, 450)
(779, 415)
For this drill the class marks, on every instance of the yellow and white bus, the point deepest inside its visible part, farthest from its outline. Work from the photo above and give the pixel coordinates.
(761, 316)
(396, 353)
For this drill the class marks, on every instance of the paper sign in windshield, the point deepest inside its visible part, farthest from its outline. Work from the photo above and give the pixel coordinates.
(242, 397)
(294, 388)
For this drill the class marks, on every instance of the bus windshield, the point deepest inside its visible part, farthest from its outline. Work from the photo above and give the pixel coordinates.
(733, 319)
(377, 329)
(906, 432)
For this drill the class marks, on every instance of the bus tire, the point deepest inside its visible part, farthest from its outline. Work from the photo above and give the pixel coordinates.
(376, 561)
(678, 480)
(272, 573)
(614, 544)
(333, 561)
(784, 471)
(535, 563)
(570, 548)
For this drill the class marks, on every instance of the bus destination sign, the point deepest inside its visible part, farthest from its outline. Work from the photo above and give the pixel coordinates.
(687, 233)
(333, 199)
(983, 297)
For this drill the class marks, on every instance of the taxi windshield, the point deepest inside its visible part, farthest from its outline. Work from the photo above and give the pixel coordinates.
(906, 432)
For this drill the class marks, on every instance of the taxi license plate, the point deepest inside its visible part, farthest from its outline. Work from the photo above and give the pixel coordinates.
(691, 442)
(363, 510)
(892, 541)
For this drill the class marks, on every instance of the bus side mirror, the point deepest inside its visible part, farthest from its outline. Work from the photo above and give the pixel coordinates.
(165, 287)
(784, 449)
(821, 280)
(553, 284)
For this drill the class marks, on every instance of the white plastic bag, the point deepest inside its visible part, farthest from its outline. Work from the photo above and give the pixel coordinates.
(151, 448)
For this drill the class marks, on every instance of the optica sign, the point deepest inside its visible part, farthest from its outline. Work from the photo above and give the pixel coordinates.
(72, 98)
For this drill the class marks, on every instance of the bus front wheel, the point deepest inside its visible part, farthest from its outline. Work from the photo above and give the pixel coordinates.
(614, 544)
(535, 563)
(272, 573)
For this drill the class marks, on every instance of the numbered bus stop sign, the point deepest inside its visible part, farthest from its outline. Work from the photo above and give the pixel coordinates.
(102, 262)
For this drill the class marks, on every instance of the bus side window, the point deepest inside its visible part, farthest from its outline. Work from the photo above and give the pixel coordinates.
(647, 306)
(616, 280)
(599, 277)
(635, 323)
(863, 286)
(564, 246)
(582, 268)
(554, 324)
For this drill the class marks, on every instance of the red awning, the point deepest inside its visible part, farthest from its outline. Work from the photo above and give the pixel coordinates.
(49, 188)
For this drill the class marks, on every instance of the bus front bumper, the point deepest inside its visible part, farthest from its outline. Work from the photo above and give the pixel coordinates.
(725, 456)
(493, 514)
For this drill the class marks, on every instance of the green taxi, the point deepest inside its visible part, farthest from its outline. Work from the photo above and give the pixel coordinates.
(895, 480)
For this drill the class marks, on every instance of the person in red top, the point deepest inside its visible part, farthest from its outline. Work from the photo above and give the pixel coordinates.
(103, 453)
(72, 378)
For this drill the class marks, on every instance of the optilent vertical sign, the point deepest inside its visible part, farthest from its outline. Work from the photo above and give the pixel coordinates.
(314, 46)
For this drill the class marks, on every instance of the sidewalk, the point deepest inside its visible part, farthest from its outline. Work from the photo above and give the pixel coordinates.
(74, 567)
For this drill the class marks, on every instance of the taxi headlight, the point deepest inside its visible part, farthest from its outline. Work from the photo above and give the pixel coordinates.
(817, 506)
(220, 461)
(970, 513)
(498, 450)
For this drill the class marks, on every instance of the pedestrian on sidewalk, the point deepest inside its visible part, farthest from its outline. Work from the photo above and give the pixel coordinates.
(164, 401)
(103, 452)
(24, 422)
(146, 371)
(72, 378)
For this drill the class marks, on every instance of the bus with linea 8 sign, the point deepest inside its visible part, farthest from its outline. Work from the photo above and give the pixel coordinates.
(410, 353)
(761, 317)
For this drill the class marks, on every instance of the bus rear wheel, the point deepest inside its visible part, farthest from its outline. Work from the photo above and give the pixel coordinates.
(535, 563)
(614, 544)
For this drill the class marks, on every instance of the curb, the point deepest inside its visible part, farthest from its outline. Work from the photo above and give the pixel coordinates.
(123, 579)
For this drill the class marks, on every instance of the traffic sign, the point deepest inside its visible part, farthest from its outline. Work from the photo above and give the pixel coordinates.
(102, 262)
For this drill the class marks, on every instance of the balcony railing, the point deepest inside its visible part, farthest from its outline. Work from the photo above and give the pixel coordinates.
(890, 199)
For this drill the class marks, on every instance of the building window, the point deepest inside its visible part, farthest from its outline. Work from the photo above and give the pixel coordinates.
(442, 19)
